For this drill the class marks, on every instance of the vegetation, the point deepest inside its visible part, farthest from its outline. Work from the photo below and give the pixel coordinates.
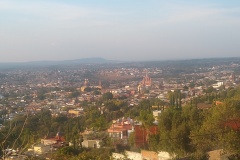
(192, 132)
(82, 154)
(185, 131)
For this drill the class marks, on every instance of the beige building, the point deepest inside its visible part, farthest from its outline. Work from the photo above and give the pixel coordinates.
(75, 113)
(156, 114)
(41, 148)
(91, 143)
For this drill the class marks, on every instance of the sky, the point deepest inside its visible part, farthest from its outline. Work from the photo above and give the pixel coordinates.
(128, 30)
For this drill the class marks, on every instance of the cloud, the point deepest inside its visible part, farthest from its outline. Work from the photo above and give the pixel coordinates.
(192, 14)
(187, 13)
(50, 10)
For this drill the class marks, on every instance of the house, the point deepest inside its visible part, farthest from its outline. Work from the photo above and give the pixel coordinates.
(91, 143)
(156, 114)
(41, 148)
(121, 129)
(74, 112)
(204, 106)
(49, 141)
(59, 139)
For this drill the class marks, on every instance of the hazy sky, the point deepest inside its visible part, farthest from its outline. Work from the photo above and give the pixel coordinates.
(33, 30)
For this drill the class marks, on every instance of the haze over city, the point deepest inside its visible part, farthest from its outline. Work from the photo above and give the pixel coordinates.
(118, 30)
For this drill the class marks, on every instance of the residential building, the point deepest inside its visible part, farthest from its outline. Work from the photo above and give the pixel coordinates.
(91, 143)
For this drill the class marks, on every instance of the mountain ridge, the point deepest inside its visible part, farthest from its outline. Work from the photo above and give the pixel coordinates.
(94, 60)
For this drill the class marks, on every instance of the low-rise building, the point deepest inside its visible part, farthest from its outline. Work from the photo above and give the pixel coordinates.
(120, 129)
(41, 148)
(74, 112)
(91, 143)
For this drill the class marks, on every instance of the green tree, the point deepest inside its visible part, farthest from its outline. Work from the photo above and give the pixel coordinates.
(74, 94)
(107, 96)
(88, 89)
(175, 126)
(216, 130)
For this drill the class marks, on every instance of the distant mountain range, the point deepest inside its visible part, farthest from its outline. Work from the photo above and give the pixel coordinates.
(96, 60)
(75, 61)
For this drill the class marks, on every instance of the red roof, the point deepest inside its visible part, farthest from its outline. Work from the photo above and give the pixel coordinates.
(119, 127)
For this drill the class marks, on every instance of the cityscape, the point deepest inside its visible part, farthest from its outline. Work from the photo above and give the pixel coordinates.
(119, 80)
(54, 111)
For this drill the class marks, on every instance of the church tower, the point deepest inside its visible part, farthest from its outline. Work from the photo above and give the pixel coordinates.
(147, 81)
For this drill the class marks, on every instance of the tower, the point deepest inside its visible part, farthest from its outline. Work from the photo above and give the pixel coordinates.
(147, 81)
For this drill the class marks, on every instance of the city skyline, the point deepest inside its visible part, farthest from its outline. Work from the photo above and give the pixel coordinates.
(118, 30)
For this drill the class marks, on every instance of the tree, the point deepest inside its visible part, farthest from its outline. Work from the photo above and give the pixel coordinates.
(12, 136)
(217, 129)
(74, 94)
(171, 98)
(175, 126)
(41, 94)
(185, 88)
(145, 104)
(147, 121)
(107, 96)
(131, 139)
(96, 92)
(100, 123)
(88, 89)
